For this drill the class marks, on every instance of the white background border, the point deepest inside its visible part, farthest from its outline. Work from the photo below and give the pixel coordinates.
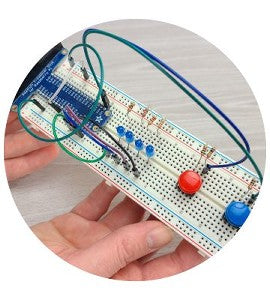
(238, 28)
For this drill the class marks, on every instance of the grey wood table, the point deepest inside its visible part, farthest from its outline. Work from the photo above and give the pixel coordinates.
(61, 185)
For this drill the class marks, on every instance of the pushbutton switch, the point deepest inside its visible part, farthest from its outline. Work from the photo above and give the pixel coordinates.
(189, 182)
(236, 213)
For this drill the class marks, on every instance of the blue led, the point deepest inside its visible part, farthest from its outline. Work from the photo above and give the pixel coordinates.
(236, 213)
(150, 151)
(129, 137)
(121, 131)
(139, 145)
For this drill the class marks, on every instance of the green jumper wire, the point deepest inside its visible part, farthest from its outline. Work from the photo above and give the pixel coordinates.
(88, 116)
(186, 91)
(69, 152)
(100, 85)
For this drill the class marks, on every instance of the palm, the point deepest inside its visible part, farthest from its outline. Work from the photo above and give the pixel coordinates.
(109, 246)
(77, 237)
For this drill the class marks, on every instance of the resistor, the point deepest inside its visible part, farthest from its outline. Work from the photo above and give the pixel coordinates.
(144, 113)
(130, 107)
(251, 184)
(209, 154)
(249, 188)
(160, 124)
(203, 152)
(204, 149)
(151, 121)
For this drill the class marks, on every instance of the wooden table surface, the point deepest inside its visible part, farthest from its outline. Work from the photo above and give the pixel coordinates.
(61, 185)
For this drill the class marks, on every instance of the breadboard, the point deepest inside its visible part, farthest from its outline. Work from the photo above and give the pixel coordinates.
(197, 218)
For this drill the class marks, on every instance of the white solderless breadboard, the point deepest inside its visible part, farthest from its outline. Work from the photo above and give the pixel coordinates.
(197, 218)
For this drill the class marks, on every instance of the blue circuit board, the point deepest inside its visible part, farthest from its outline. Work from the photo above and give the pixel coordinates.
(46, 83)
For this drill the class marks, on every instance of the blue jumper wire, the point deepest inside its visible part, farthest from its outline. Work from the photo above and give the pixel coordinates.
(207, 100)
(204, 97)
(198, 92)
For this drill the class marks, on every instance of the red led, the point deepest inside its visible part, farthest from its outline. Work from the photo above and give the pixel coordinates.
(189, 182)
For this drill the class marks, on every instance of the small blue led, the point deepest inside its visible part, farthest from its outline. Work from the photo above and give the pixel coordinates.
(120, 131)
(129, 137)
(139, 145)
(236, 213)
(150, 151)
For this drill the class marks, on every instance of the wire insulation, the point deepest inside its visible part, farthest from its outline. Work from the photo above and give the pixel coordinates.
(87, 117)
(185, 90)
(91, 134)
(63, 83)
(69, 152)
(117, 143)
(161, 66)
(70, 120)
(207, 100)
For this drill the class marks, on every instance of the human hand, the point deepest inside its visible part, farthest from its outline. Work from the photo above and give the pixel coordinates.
(24, 154)
(113, 245)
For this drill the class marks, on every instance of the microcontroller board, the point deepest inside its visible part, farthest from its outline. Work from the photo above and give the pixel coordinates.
(164, 152)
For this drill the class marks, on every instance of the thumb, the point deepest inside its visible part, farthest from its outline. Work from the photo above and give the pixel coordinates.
(121, 247)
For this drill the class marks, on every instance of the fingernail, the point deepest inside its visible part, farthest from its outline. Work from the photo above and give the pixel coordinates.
(158, 237)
